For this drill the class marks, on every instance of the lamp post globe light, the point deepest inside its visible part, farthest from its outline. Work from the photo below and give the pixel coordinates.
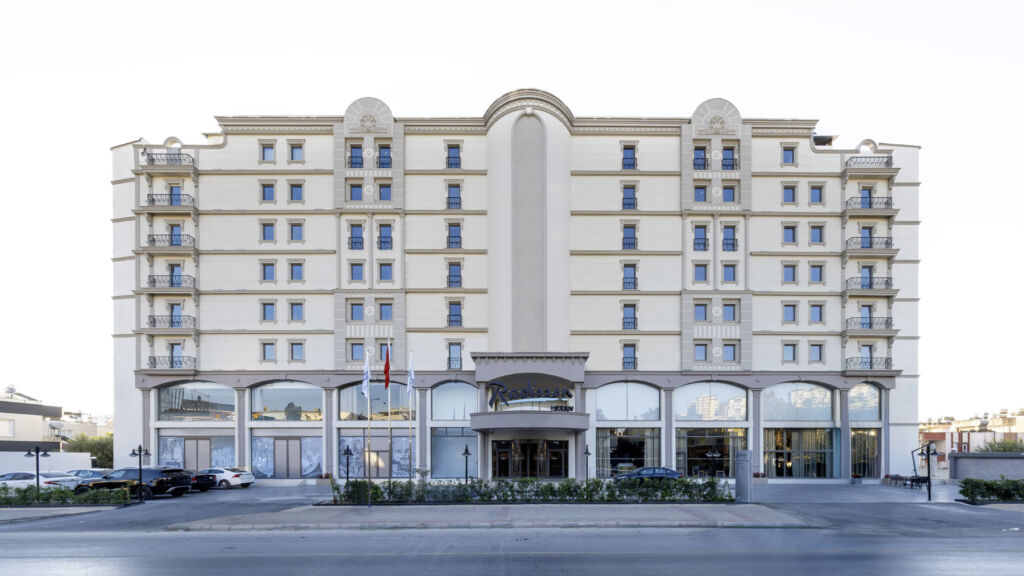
(586, 462)
(348, 456)
(142, 490)
(37, 453)
(466, 454)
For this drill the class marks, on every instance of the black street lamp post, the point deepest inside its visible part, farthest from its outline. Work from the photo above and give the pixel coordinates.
(466, 455)
(586, 462)
(37, 453)
(348, 455)
(140, 452)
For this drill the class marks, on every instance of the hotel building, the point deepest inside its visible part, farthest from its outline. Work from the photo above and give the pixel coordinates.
(579, 296)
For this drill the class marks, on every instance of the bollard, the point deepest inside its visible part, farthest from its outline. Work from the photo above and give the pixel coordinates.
(744, 476)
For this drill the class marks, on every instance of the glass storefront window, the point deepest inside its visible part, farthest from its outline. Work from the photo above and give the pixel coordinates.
(864, 452)
(709, 451)
(710, 401)
(628, 401)
(354, 462)
(864, 402)
(522, 458)
(287, 400)
(801, 452)
(624, 449)
(446, 446)
(196, 452)
(222, 452)
(171, 450)
(796, 401)
(287, 457)
(453, 401)
(352, 403)
(196, 401)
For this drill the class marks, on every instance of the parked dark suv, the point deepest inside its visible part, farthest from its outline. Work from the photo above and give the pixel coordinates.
(173, 481)
(200, 481)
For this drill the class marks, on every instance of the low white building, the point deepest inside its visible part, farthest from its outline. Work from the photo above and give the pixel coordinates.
(575, 292)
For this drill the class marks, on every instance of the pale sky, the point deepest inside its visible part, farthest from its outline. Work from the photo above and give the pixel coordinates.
(80, 77)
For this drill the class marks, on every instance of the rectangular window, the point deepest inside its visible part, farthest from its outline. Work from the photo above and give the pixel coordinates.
(700, 238)
(629, 157)
(629, 237)
(355, 157)
(700, 159)
(297, 311)
(817, 313)
(267, 152)
(789, 155)
(455, 275)
(382, 349)
(385, 192)
(816, 195)
(728, 273)
(355, 192)
(729, 194)
(295, 272)
(789, 312)
(817, 273)
(455, 313)
(700, 272)
(629, 317)
(385, 311)
(455, 356)
(700, 352)
(356, 351)
(454, 197)
(384, 157)
(789, 273)
(297, 351)
(817, 234)
(267, 192)
(296, 193)
(267, 232)
(454, 235)
(629, 197)
(355, 241)
(729, 353)
(384, 238)
(386, 272)
(729, 312)
(789, 194)
(816, 352)
(175, 199)
(297, 153)
(268, 351)
(454, 156)
(700, 194)
(729, 159)
(789, 234)
(729, 239)
(629, 356)
(355, 311)
(629, 277)
(355, 272)
(700, 312)
(295, 232)
(267, 271)
(789, 352)
(268, 311)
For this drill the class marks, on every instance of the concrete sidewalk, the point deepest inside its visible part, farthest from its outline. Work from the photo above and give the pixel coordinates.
(507, 516)
(24, 514)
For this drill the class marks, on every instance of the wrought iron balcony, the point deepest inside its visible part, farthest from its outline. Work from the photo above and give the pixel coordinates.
(354, 162)
(455, 319)
(384, 162)
(700, 244)
(629, 363)
(455, 241)
(172, 362)
(454, 203)
(164, 240)
(701, 164)
(872, 243)
(384, 242)
(875, 363)
(455, 281)
(629, 163)
(873, 323)
(455, 363)
(869, 162)
(729, 244)
(730, 164)
(168, 159)
(882, 203)
(172, 321)
(170, 200)
(629, 203)
(629, 283)
(454, 162)
(629, 323)
(171, 281)
(355, 243)
(873, 283)
(629, 243)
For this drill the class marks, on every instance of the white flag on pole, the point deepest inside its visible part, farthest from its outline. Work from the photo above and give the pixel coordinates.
(412, 381)
(366, 375)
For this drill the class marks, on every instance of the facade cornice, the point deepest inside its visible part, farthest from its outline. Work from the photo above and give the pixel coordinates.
(445, 291)
(446, 172)
(265, 172)
(675, 213)
(447, 330)
(292, 251)
(623, 173)
(625, 253)
(625, 292)
(445, 251)
(624, 332)
(796, 254)
(783, 173)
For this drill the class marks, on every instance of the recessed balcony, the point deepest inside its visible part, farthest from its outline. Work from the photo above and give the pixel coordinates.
(700, 244)
(730, 164)
(869, 323)
(171, 281)
(172, 321)
(873, 203)
(170, 200)
(729, 244)
(629, 363)
(630, 283)
(384, 243)
(863, 363)
(172, 363)
(869, 162)
(871, 246)
(167, 159)
(170, 241)
(355, 243)
(455, 363)
(455, 320)
(629, 323)
(872, 283)
(454, 281)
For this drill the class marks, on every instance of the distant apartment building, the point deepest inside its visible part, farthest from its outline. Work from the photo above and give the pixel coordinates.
(580, 296)
(25, 423)
(971, 434)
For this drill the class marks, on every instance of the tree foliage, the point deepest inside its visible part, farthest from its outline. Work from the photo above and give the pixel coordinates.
(100, 447)
(1004, 445)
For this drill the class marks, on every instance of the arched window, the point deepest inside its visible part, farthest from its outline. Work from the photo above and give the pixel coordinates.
(864, 402)
(628, 401)
(453, 401)
(352, 403)
(797, 401)
(196, 401)
(287, 400)
(710, 401)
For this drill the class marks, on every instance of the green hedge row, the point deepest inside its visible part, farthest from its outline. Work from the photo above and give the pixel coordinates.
(60, 496)
(532, 490)
(1003, 490)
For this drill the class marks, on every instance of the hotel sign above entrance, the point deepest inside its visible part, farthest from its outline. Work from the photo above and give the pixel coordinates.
(503, 394)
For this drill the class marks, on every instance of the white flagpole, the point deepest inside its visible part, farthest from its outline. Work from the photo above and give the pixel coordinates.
(366, 443)
(411, 393)
(391, 454)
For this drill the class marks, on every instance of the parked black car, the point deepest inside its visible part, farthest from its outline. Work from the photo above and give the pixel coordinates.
(173, 481)
(650, 473)
(200, 481)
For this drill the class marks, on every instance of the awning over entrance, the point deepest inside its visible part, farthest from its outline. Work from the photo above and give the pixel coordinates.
(529, 420)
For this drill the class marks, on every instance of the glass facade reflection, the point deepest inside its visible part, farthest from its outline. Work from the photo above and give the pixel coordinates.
(710, 401)
(624, 449)
(801, 452)
(796, 401)
(453, 401)
(196, 453)
(709, 451)
(446, 448)
(865, 404)
(529, 458)
(865, 452)
(282, 457)
(352, 403)
(628, 401)
(287, 401)
(196, 401)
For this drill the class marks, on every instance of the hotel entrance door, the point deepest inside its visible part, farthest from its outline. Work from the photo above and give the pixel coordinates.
(529, 458)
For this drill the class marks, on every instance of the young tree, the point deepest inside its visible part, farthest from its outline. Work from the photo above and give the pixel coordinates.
(100, 447)
(1005, 445)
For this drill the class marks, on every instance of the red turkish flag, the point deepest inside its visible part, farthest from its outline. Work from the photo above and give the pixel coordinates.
(387, 367)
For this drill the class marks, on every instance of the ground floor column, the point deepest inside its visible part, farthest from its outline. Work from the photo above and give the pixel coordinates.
(422, 433)
(668, 433)
(756, 444)
(241, 451)
(330, 435)
(845, 448)
(886, 440)
(147, 420)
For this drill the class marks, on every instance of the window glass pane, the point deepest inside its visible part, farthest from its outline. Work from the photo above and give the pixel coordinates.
(297, 311)
(193, 401)
(171, 451)
(700, 194)
(709, 451)
(453, 401)
(352, 403)
(268, 271)
(357, 271)
(865, 452)
(700, 312)
(621, 450)
(296, 192)
(729, 273)
(788, 154)
(356, 193)
(801, 452)
(700, 352)
(312, 452)
(816, 195)
(268, 192)
(797, 401)
(729, 312)
(865, 402)
(222, 451)
(700, 273)
(296, 232)
(729, 194)
(385, 272)
(710, 401)
(385, 192)
(287, 400)
(268, 153)
(385, 312)
(296, 271)
(297, 155)
(446, 447)
(262, 457)
(628, 401)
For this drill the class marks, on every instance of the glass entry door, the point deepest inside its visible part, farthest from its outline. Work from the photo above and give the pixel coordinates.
(530, 458)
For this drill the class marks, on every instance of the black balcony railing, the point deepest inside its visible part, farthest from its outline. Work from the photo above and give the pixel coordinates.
(629, 203)
(454, 203)
(629, 243)
(629, 363)
(729, 244)
(873, 283)
(629, 163)
(700, 164)
(170, 240)
(869, 162)
(629, 323)
(171, 281)
(873, 323)
(455, 241)
(875, 363)
(170, 200)
(173, 321)
(700, 244)
(384, 242)
(355, 243)
(168, 159)
(454, 281)
(172, 362)
(454, 162)
(629, 283)
(354, 162)
(730, 164)
(872, 243)
(455, 319)
(455, 363)
(384, 162)
(882, 203)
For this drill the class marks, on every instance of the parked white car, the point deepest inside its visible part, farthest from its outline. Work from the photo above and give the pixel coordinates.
(46, 480)
(229, 477)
